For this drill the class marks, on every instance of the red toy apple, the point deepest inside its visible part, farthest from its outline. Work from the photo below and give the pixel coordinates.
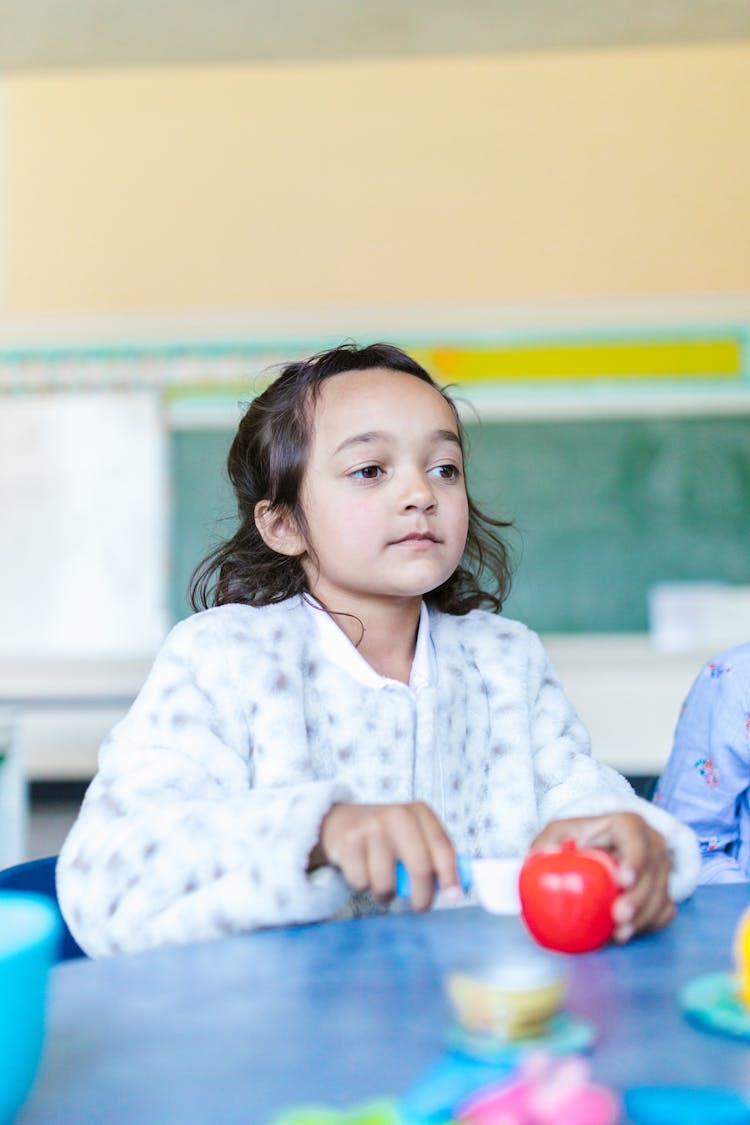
(567, 896)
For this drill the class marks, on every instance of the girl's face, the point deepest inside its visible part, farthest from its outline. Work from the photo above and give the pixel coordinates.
(383, 492)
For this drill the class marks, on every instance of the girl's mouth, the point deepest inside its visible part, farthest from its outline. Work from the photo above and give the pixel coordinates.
(417, 537)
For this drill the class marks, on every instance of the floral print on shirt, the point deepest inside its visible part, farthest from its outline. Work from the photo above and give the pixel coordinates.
(707, 770)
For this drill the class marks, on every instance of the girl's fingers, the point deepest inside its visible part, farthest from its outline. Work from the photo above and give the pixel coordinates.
(442, 853)
(413, 833)
(348, 839)
(659, 909)
(381, 865)
(365, 842)
(647, 906)
(655, 918)
(644, 866)
(354, 867)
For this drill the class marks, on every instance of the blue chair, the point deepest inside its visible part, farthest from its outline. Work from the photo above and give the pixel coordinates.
(38, 875)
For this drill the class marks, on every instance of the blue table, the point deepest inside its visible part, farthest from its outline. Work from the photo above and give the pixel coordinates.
(232, 1031)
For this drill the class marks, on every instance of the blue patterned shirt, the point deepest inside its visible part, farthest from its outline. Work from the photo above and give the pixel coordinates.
(706, 782)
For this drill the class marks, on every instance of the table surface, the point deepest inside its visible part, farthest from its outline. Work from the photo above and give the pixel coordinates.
(338, 1013)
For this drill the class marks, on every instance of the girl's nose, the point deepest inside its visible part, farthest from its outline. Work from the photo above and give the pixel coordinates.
(417, 494)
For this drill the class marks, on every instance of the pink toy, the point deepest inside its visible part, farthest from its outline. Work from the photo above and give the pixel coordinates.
(547, 1093)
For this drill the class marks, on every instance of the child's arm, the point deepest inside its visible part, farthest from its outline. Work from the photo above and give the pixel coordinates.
(366, 841)
(173, 843)
(708, 773)
(572, 784)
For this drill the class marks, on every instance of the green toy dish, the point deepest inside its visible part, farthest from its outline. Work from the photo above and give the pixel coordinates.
(712, 1002)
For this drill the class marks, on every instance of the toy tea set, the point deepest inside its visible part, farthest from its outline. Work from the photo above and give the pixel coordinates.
(514, 1055)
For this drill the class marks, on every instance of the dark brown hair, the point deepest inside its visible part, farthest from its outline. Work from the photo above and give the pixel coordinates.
(267, 461)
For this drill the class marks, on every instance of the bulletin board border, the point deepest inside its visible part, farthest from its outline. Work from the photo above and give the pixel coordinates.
(612, 371)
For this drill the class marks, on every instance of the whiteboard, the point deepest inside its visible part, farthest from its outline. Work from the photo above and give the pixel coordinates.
(83, 525)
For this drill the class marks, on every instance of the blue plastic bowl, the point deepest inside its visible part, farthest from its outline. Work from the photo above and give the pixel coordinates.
(30, 935)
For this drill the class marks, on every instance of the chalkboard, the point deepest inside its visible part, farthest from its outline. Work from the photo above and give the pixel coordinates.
(203, 509)
(603, 509)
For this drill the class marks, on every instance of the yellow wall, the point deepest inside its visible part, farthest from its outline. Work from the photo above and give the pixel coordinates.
(434, 179)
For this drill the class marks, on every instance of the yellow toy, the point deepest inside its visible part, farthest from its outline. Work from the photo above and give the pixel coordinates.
(742, 957)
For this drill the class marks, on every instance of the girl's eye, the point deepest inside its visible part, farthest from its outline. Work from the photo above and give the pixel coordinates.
(367, 472)
(447, 472)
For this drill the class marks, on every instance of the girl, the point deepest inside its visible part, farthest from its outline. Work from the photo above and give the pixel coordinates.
(346, 703)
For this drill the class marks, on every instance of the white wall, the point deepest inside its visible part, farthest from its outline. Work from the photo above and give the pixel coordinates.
(83, 503)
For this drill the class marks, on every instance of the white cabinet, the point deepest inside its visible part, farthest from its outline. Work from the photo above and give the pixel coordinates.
(628, 694)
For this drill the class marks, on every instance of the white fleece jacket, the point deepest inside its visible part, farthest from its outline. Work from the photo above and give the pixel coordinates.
(210, 792)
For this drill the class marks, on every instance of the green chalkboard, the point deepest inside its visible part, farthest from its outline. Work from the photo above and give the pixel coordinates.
(202, 509)
(602, 510)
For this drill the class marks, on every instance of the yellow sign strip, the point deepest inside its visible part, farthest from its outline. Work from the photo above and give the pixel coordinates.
(715, 358)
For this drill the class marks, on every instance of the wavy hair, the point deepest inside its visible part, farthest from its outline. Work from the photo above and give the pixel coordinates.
(267, 461)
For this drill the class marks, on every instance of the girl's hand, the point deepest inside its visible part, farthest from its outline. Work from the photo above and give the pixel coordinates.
(365, 841)
(643, 865)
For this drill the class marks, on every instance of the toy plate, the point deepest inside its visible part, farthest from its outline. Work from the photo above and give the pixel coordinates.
(712, 1002)
(565, 1035)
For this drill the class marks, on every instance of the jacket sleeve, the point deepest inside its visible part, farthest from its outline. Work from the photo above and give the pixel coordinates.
(708, 772)
(172, 843)
(570, 782)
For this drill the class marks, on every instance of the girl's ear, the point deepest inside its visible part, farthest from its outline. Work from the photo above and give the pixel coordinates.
(278, 529)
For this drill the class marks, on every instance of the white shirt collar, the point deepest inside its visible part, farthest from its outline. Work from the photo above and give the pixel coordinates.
(337, 648)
